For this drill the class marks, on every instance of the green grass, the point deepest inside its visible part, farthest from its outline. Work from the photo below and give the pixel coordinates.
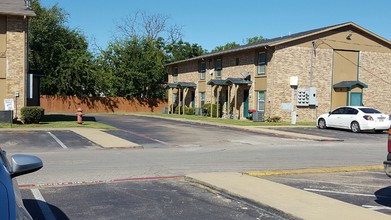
(61, 121)
(230, 121)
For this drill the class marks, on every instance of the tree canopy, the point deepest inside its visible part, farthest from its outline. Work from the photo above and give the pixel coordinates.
(131, 66)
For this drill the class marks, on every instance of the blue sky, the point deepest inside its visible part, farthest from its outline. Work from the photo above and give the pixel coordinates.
(216, 22)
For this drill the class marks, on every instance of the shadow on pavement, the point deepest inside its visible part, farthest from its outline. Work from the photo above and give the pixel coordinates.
(33, 207)
(383, 196)
(62, 117)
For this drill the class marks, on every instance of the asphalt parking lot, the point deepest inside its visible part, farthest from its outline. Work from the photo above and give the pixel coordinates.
(42, 140)
(368, 189)
(150, 199)
(340, 134)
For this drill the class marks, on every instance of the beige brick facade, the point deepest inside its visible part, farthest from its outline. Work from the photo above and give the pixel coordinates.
(15, 62)
(324, 52)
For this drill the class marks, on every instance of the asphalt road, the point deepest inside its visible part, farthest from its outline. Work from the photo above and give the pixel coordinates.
(172, 149)
(154, 199)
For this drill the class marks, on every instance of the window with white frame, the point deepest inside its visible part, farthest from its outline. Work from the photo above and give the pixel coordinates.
(262, 63)
(202, 98)
(202, 70)
(219, 67)
(261, 101)
(175, 74)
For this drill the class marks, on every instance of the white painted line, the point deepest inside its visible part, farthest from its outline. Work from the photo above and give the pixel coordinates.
(58, 140)
(46, 211)
(343, 193)
(376, 208)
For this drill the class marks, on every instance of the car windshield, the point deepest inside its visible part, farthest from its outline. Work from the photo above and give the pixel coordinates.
(370, 111)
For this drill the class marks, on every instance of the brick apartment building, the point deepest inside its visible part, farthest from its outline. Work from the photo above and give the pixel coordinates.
(14, 17)
(298, 76)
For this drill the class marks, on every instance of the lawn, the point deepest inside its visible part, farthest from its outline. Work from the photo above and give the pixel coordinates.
(61, 121)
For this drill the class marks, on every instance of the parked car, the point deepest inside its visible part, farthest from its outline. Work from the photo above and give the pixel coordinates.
(387, 163)
(355, 118)
(11, 201)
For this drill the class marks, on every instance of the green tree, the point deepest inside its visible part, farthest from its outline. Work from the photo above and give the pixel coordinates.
(183, 50)
(225, 47)
(134, 67)
(60, 53)
(256, 39)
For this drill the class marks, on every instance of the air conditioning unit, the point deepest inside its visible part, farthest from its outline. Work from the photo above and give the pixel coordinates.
(259, 116)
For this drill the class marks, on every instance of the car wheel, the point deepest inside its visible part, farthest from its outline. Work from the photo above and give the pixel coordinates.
(355, 126)
(322, 123)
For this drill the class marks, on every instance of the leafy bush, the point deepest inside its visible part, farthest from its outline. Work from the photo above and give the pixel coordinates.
(206, 110)
(274, 119)
(32, 114)
(189, 110)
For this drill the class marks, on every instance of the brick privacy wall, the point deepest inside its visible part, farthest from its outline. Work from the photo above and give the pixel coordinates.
(296, 61)
(375, 71)
(69, 104)
(16, 60)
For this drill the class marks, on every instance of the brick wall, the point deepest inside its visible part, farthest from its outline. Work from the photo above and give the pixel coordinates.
(375, 71)
(16, 60)
(296, 61)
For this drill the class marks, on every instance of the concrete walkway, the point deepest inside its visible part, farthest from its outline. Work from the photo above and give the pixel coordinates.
(104, 139)
(292, 201)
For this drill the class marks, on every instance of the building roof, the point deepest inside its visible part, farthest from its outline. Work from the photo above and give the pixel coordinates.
(16, 7)
(225, 82)
(349, 84)
(284, 39)
(182, 85)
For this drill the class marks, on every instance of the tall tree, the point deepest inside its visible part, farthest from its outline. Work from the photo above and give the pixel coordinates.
(256, 39)
(60, 53)
(135, 68)
(225, 47)
(183, 50)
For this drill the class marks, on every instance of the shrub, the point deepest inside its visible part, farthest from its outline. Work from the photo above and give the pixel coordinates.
(189, 110)
(32, 114)
(274, 119)
(206, 110)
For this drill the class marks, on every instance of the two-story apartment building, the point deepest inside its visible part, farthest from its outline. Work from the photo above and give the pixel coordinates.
(300, 75)
(14, 17)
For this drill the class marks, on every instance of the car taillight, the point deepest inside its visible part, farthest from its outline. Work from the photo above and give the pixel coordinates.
(368, 117)
(389, 140)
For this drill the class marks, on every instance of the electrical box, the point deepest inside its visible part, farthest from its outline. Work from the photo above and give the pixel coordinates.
(302, 97)
(312, 96)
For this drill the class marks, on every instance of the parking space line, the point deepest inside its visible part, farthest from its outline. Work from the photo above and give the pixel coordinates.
(146, 137)
(344, 193)
(46, 211)
(58, 140)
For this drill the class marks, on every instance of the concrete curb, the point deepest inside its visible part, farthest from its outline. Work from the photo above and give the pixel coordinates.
(313, 170)
(289, 200)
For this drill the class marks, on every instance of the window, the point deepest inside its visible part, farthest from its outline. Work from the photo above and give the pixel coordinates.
(202, 98)
(339, 111)
(219, 67)
(262, 63)
(175, 74)
(237, 61)
(261, 101)
(202, 70)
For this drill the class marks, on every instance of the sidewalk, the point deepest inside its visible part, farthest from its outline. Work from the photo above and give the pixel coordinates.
(104, 139)
(298, 203)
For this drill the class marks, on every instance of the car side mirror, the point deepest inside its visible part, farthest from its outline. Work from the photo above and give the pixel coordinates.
(22, 164)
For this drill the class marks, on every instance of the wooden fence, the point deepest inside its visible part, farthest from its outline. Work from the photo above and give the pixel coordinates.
(69, 104)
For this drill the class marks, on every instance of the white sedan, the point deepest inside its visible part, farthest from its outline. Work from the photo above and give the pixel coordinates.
(355, 118)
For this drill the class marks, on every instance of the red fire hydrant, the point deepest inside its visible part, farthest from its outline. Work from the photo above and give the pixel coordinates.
(79, 115)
